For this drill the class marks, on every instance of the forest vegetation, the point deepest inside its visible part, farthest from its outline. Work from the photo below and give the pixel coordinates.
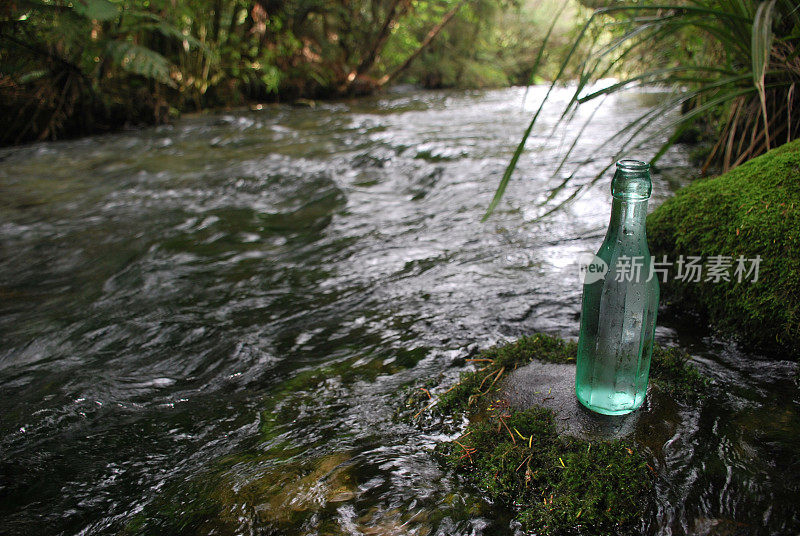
(74, 67)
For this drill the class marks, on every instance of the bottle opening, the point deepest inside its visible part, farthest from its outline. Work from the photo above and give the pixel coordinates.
(631, 181)
(629, 164)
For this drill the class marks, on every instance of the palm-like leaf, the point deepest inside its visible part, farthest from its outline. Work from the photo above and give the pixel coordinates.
(758, 73)
(761, 45)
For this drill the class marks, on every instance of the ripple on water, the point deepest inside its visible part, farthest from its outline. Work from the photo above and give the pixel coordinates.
(209, 325)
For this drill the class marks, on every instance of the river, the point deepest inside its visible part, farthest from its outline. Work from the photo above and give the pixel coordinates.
(208, 327)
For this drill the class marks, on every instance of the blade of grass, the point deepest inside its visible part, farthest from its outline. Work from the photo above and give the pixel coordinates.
(761, 48)
(538, 61)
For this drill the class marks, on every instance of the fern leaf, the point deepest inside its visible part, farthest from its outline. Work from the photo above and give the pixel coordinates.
(140, 60)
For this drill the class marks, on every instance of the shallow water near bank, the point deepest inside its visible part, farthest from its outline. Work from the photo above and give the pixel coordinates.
(209, 326)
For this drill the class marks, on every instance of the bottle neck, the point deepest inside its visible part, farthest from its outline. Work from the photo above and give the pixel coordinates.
(628, 219)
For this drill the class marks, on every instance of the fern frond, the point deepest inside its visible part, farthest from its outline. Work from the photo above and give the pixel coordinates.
(140, 60)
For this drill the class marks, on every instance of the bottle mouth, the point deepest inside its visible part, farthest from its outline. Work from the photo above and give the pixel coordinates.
(631, 182)
(629, 164)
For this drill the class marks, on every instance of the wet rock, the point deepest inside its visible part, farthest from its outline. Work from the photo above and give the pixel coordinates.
(253, 492)
(304, 103)
(552, 385)
(530, 444)
(393, 522)
(719, 527)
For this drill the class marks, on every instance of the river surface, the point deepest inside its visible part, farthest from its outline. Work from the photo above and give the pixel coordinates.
(208, 327)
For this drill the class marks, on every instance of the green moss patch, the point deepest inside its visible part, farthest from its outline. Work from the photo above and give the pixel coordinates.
(753, 210)
(672, 370)
(499, 360)
(558, 484)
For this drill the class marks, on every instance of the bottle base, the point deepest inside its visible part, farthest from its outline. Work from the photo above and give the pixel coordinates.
(618, 403)
(604, 411)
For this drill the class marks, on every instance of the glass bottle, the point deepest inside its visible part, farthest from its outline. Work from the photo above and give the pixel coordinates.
(620, 301)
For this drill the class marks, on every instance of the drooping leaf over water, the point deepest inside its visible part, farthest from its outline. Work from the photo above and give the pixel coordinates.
(738, 67)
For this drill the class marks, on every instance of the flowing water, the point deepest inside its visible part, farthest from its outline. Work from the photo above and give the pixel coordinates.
(207, 327)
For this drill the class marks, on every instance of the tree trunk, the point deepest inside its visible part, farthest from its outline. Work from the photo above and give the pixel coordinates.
(395, 12)
(425, 42)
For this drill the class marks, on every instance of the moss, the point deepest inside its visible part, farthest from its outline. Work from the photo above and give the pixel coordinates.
(557, 484)
(527, 348)
(753, 210)
(672, 370)
(504, 358)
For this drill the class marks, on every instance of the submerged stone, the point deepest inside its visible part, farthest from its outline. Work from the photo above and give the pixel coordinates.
(720, 527)
(252, 491)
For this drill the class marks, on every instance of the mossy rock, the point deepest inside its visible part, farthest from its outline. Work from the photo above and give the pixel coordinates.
(556, 483)
(753, 210)
(670, 368)
(501, 359)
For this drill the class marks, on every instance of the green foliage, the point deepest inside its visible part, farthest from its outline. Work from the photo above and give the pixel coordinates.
(489, 44)
(139, 60)
(753, 210)
(734, 60)
(102, 10)
(71, 67)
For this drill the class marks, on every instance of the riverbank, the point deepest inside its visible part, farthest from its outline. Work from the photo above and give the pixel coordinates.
(99, 66)
(750, 213)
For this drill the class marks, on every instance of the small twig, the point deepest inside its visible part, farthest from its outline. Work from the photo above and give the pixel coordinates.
(467, 450)
(424, 409)
(523, 462)
(484, 380)
(497, 377)
(452, 387)
(503, 422)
